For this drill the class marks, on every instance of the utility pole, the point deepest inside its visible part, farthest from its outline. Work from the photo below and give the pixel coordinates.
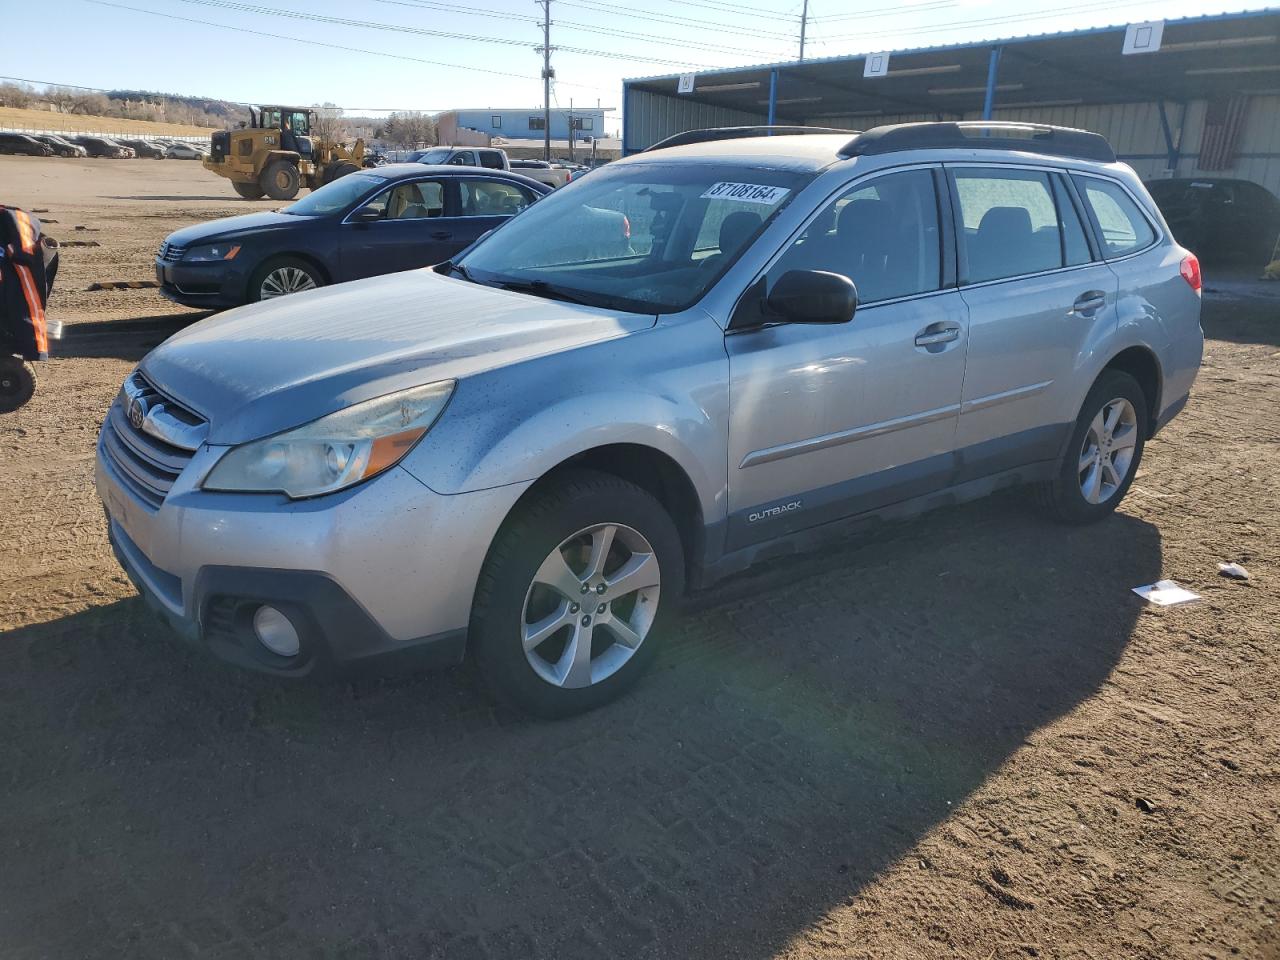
(572, 133)
(547, 74)
(804, 22)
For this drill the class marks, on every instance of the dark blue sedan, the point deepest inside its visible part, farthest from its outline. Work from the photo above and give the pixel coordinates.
(383, 220)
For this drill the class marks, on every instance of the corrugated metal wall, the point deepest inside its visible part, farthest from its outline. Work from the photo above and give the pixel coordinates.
(1133, 129)
(649, 117)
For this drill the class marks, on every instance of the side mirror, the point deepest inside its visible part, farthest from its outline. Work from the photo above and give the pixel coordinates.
(366, 215)
(813, 296)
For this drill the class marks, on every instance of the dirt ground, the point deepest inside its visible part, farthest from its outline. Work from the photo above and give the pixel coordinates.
(960, 737)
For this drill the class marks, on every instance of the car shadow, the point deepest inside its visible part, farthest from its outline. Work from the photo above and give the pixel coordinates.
(806, 726)
(123, 339)
(1242, 311)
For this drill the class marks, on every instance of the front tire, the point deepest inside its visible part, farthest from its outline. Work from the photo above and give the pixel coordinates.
(17, 383)
(280, 180)
(338, 169)
(250, 191)
(575, 594)
(281, 276)
(1104, 453)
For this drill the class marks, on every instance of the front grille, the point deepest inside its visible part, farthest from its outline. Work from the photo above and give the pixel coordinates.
(171, 252)
(150, 459)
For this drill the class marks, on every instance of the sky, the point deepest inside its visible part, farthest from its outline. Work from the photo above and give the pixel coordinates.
(372, 56)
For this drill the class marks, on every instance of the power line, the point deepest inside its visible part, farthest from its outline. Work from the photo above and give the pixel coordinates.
(894, 10)
(576, 25)
(417, 31)
(990, 21)
(598, 6)
(330, 46)
(736, 8)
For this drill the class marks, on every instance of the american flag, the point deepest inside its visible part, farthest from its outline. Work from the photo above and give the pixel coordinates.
(1223, 122)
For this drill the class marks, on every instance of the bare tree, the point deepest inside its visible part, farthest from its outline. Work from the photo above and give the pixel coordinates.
(410, 129)
(15, 95)
(327, 123)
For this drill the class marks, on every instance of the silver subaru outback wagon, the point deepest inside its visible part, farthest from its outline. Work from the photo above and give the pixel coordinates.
(641, 384)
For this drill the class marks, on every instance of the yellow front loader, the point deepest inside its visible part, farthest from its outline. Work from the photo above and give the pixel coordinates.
(276, 155)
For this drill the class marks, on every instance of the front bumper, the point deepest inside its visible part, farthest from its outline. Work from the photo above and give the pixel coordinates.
(378, 577)
(217, 283)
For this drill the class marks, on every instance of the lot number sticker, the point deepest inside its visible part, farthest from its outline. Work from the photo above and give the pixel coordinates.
(746, 193)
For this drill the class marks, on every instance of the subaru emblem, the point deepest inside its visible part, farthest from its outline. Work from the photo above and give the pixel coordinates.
(137, 413)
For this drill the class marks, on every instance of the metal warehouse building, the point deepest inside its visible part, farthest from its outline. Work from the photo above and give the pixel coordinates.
(1175, 98)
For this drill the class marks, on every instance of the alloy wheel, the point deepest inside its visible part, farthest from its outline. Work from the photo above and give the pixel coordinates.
(1107, 452)
(285, 280)
(590, 606)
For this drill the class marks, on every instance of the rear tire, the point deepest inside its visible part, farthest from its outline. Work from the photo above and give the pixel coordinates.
(17, 383)
(280, 180)
(250, 191)
(1104, 453)
(556, 651)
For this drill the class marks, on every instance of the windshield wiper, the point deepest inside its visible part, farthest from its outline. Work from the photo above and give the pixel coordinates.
(540, 288)
(461, 271)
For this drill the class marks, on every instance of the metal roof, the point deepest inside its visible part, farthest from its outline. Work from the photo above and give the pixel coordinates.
(1199, 57)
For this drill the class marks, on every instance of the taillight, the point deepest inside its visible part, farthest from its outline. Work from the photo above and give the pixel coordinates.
(1190, 271)
(626, 227)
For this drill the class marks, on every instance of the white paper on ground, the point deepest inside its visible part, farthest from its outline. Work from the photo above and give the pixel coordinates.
(1165, 593)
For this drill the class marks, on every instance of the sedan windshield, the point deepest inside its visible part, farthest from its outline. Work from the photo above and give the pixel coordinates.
(438, 155)
(336, 196)
(644, 237)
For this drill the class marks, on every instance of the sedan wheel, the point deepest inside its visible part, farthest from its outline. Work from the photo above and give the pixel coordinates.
(285, 280)
(591, 605)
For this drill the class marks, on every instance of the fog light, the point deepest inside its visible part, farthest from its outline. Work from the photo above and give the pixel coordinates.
(276, 632)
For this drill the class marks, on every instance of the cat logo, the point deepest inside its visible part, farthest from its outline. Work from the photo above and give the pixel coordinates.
(769, 512)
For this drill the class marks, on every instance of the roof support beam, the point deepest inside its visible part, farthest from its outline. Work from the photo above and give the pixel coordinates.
(993, 73)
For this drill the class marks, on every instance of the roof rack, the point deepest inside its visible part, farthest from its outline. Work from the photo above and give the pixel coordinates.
(982, 135)
(712, 134)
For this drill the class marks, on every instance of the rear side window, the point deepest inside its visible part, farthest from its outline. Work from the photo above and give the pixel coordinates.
(491, 198)
(1123, 226)
(491, 159)
(1009, 223)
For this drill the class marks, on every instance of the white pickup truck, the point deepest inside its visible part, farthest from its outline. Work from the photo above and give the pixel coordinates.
(548, 173)
(493, 159)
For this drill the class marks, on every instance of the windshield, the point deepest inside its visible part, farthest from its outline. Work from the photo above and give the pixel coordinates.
(439, 155)
(645, 237)
(336, 196)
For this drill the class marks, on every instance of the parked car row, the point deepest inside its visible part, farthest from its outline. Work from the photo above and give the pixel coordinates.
(92, 145)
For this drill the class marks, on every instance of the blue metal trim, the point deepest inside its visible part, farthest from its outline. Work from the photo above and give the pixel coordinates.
(1168, 135)
(773, 96)
(626, 118)
(993, 71)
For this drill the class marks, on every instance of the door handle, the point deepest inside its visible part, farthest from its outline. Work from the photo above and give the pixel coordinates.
(1087, 304)
(441, 235)
(930, 338)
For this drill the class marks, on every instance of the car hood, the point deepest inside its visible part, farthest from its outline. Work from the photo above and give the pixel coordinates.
(269, 366)
(229, 227)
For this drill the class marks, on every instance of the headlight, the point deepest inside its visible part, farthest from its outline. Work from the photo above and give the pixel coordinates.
(336, 451)
(213, 251)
